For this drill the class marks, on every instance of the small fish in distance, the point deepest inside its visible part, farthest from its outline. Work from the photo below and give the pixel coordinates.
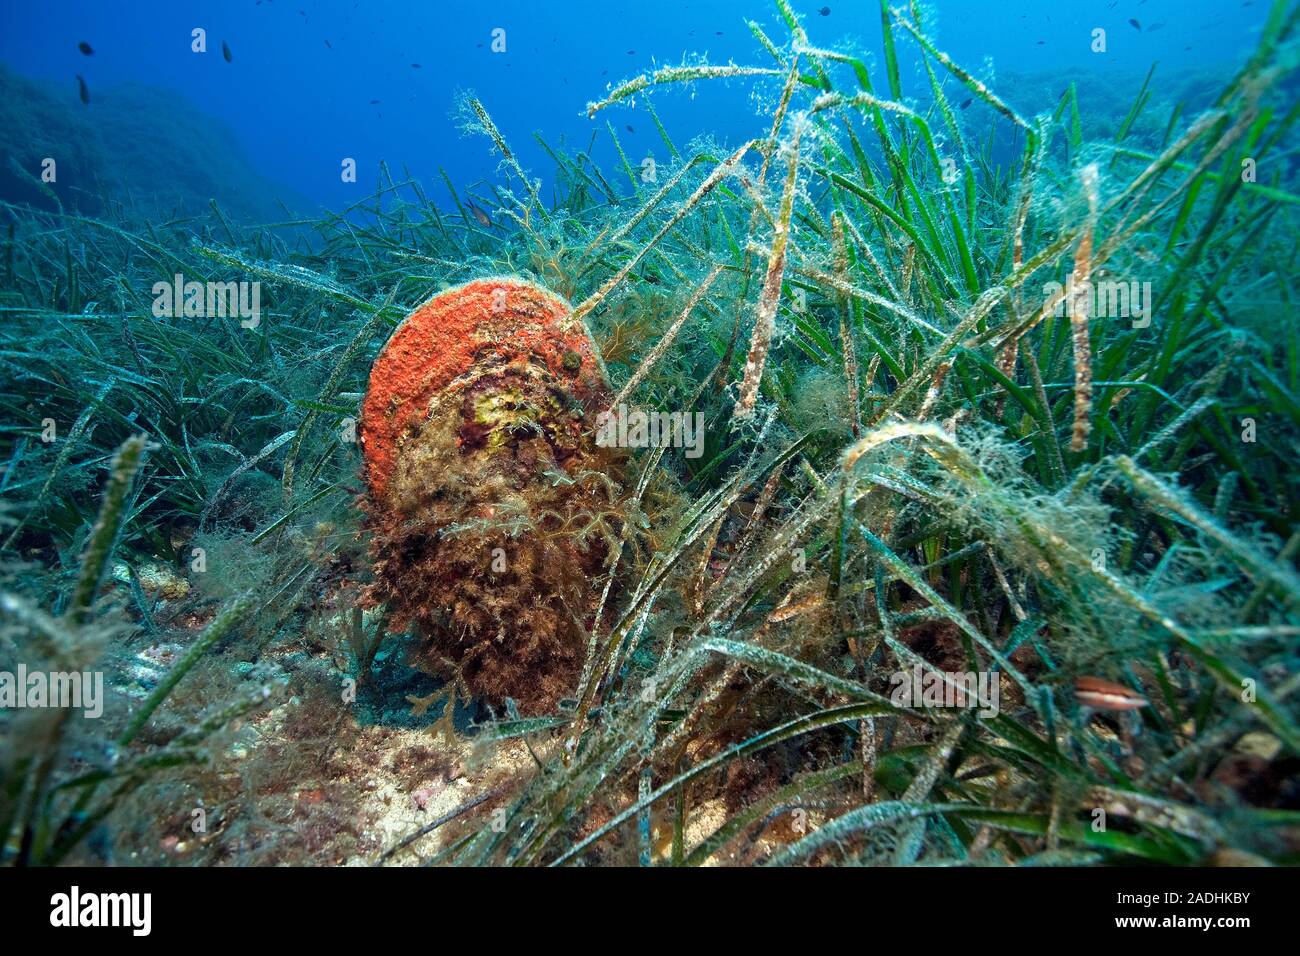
(825, 11)
(1135, 25)
(83, 91)
(85, 48)
(225, 51)
(1101, 694)
(479, 215)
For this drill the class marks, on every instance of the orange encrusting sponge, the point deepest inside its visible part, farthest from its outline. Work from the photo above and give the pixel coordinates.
(444, 338)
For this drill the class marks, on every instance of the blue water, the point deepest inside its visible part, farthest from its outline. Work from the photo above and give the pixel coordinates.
(298, 91)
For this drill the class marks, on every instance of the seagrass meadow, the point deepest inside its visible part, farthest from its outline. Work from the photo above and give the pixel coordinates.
(986, 555)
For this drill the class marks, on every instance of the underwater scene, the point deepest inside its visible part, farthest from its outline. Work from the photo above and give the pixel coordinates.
(649, 433)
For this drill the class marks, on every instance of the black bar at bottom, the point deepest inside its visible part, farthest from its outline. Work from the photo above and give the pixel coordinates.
(362, 906)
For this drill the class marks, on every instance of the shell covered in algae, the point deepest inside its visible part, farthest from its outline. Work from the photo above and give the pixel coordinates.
(491, 508)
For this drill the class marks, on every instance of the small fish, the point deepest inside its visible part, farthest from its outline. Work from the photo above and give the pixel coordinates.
(85, 48)
(1155, 26)
(1135, 25)
(225, 51)
(479, 215)
(328, 44)
(1041, 42)
(631, 52)
(791, 609)
(630, 129)
(825, 11)
(967, 103)
(374, 102)
(1101, 694)
(416, 66)
(82, 89)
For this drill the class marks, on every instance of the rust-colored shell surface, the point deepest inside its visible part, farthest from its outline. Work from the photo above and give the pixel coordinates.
(490, 507)
(446, 336)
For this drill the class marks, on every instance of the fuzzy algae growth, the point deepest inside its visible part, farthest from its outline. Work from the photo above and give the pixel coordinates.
(487, 489)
